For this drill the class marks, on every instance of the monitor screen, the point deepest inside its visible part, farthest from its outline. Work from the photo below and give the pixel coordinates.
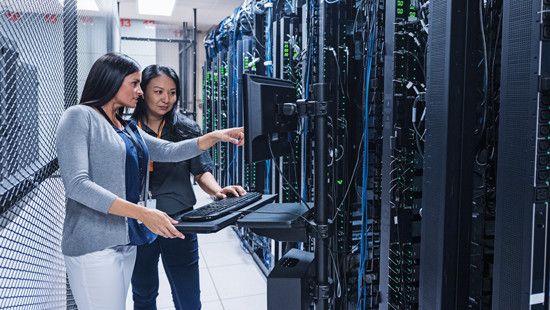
(266, 129)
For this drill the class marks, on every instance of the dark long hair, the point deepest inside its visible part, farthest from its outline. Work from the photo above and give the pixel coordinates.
(149, 73)
(106, 77)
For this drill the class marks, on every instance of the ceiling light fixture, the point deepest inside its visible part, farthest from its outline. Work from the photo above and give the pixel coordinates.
(87, 5)
(84, 5)
(156, 7)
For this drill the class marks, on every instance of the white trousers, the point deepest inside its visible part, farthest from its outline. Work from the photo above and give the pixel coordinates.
(100, 280)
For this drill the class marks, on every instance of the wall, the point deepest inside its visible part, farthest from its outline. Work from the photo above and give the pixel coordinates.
(95, 31)
(163, 53)
(201, 56)
(148, 53)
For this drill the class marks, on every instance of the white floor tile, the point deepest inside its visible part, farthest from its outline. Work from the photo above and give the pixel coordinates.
(238, 280)
(257, 302)
(212, 305)
(208, 289)
(224, 235)
(202, 263)
(161, 268)
(225, 254)
(129, 301)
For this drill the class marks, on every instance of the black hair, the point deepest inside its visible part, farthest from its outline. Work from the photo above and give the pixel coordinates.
(149, 73)
(106, 77)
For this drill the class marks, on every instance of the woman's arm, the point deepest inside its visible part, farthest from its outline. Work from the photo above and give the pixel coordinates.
(165, 151)
(231, 135)
(72, 138)
(157, 221)
(209, 184)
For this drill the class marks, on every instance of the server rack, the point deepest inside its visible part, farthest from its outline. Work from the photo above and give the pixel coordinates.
(403, 156)
(453, 77)
(521, 239)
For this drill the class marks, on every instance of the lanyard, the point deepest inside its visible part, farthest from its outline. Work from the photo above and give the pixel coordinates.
(144, 195)
(159, 134)
(100, 109)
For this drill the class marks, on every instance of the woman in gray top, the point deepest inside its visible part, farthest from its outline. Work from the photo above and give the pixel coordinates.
(103, 161)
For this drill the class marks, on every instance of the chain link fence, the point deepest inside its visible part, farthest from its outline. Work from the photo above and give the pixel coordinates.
(39, 78)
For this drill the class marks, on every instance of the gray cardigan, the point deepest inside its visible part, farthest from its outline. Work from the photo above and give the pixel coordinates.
(92, 159)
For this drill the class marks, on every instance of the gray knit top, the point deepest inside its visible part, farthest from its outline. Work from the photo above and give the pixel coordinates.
(92, 161)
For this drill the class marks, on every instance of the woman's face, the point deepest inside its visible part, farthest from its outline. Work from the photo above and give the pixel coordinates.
(160, 96)
(129, 91)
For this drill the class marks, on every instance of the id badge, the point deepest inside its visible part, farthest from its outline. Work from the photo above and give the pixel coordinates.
(151, 204)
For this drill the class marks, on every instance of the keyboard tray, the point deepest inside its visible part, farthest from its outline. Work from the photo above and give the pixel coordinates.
(218, 224)
(278, 221)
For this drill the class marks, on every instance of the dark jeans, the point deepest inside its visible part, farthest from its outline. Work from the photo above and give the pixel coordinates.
(181, 263)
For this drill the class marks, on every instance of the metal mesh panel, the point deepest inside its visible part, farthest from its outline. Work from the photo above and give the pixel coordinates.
(38, 73)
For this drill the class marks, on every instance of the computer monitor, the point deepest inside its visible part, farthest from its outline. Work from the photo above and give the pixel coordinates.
(266, 129)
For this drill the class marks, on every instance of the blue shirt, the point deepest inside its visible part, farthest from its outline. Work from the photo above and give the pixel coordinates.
(136, 167)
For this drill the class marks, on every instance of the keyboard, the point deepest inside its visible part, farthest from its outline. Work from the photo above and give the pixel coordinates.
(220, 208)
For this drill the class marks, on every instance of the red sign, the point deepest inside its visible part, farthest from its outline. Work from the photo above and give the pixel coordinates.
(88, 20)
(149, 24)
(124, 22)
(13, 16)
(50, 18)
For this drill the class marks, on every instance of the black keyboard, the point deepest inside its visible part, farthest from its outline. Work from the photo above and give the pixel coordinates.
(220, 208)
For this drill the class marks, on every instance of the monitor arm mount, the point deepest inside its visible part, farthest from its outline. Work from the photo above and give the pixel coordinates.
(303, 108)
(323, 232)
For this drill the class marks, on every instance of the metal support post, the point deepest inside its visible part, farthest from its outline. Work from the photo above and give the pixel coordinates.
(320, 153)
(195, 64)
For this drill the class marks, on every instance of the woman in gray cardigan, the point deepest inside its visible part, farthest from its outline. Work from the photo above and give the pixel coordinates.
(103, 161)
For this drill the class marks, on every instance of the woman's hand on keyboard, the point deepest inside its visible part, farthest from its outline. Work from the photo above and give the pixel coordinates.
(232, 190)
(161, 224)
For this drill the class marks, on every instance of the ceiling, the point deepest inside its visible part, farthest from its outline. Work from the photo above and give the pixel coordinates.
(209, 12)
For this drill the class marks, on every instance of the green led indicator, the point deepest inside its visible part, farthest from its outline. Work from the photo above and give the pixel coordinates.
(412, 11)
(340, 182)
